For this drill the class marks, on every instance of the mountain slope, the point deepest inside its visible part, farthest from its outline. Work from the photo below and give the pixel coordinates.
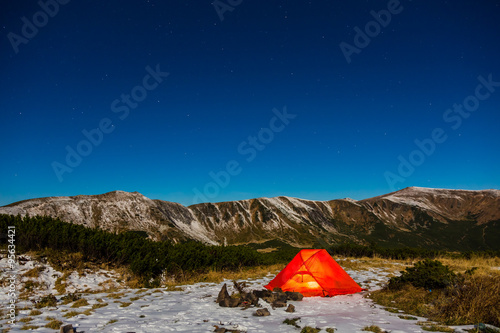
(436, 218)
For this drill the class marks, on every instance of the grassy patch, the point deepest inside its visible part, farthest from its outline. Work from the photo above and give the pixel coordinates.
(468, 299)
(25, 319)
(60, 284)
(46, 301)
(437, 328)
(292, 322)
(407, 317)
(309, 329)
(483, 329)
(54, 324)
(81, 302)
(373, 328)
(31, 285)
(99, 305)
(330, 330)
(173, 288)
(35, 312)
(392, 310)
(213, 276)
(125, 304)
(71, 314)
(72, 297)
(34, 272)
(112, 321)
(116, 295)
(29, 327)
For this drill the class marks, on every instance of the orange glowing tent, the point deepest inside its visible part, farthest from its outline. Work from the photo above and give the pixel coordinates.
(314, 273)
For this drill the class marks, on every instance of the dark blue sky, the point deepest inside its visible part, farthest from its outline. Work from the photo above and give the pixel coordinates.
(261, 103)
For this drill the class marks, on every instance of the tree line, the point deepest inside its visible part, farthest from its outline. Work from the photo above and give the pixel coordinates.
(146, 258)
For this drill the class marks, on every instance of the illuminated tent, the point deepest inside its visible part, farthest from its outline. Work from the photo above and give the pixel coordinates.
(314, 273)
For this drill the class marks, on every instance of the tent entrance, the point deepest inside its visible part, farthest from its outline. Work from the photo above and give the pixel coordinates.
(302, 282)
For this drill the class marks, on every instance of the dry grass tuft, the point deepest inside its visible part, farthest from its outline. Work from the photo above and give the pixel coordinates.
(485, 266)
(475, 300)
(373, 328)
(125, 304)
(35, 312)
(365, 263)
(34, 272)
(60, 284)
(71, 314)
(25, 319)
(437, 328)
(54, 324)
(472, 299)
(29, 327)
(99, 305)
(116, 295)
(81, 302)
(217, 276)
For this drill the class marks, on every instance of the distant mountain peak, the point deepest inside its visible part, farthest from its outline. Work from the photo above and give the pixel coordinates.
(414, 216)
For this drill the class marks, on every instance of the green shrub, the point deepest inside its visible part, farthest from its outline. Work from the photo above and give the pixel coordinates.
(71, 297)
(292, 322)
(428, 274)
(49, 300)
(54, 324)
(309, 329)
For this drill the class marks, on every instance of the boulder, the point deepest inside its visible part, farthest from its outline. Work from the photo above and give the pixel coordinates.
(278, 304)
(294, 296)
(66, 329)
(225, 300)
(230, 302)
(262, 312)
(275, 297)
(262, 293)
(223, 294)
(290, 308)
(250, 298)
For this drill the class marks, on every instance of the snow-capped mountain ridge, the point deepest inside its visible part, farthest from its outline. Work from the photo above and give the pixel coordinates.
(412, 216)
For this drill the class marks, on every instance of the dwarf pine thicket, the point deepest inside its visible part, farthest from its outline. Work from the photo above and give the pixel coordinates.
(148, 259)
(145, 258)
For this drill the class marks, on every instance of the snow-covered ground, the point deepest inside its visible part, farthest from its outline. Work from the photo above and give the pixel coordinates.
(194, 309)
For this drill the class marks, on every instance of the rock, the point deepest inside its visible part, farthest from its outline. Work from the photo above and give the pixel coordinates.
(294, 296)
(275, 297)
(277, 290)
(240, 286)
(223, 294)
(290, 308)
(220, 330)
(225, 300)
(262, 293)
(278, 304)
(262, 312)
(250, 298)
(230, 302)
(66, 329)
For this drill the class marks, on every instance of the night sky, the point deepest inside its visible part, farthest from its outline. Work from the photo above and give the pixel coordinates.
(195, 101)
